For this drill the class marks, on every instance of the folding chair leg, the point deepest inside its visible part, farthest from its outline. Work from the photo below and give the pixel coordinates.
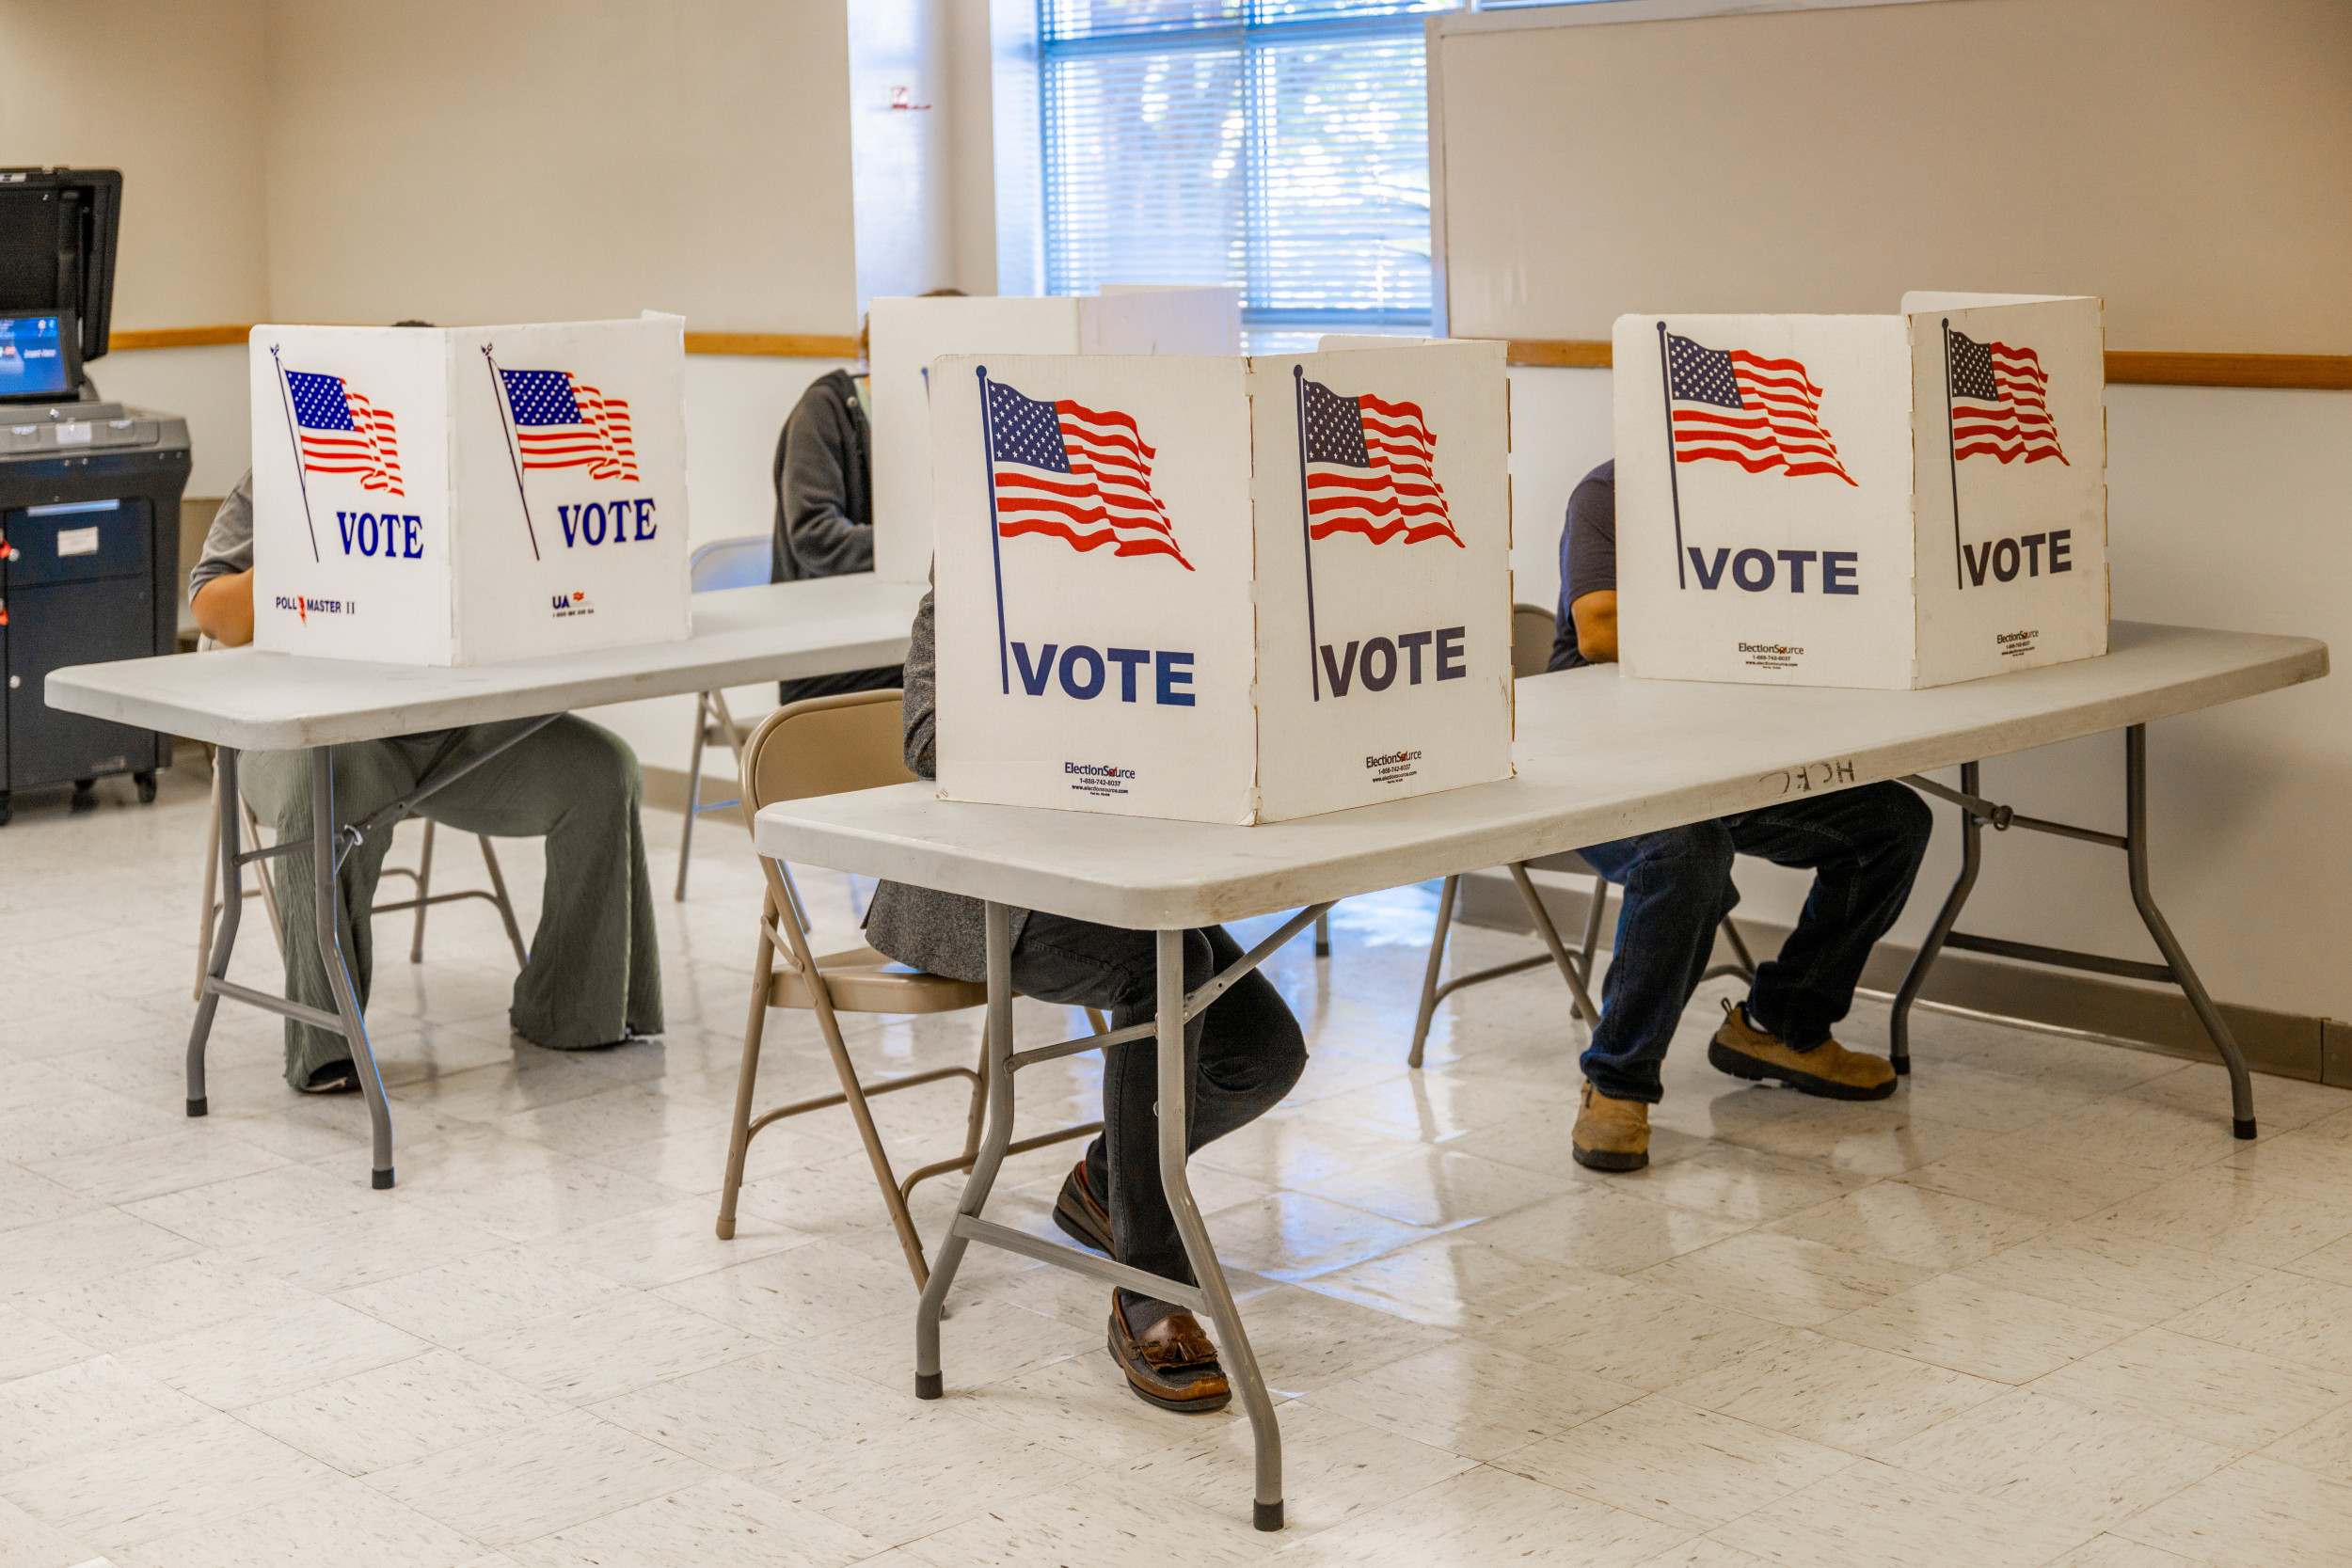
(1323, 935)
(694, 793)
(1740, 946)
(507, 905)
(1593, 915)
(747, 1080)
(425, 892)
(1429, 976)
(853, 1092)
(1550, 933)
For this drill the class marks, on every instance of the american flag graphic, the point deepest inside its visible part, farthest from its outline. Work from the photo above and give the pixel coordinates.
(1084, 477)
(343, 433)
(562, 422)
(1746, 409)
(1369, 469)
(2000, 402)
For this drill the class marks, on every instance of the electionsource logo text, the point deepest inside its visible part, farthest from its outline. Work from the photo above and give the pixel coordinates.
(1768, 648)
(1392, 759)
(1098, 771)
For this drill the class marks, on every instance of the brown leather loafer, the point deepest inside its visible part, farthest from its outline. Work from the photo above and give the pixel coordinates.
(1828, 1070)
(1080, 1215)
(1171, 1363)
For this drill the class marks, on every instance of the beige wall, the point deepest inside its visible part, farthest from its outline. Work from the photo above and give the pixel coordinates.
(537, 160)
(169, 93)
(2188, 160)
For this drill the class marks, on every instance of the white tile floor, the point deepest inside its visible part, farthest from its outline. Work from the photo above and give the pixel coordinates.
(2038, 1308)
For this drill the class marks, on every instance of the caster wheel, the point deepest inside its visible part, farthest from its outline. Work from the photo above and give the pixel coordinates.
(84, 800)
(146, 783)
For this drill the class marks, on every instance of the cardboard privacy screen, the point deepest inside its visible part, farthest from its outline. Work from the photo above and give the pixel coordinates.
(908, 334)
(1898, 502)
(1221, 590)
(466, 495)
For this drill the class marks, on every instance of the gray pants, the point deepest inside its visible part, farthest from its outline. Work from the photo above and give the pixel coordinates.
(594, 975)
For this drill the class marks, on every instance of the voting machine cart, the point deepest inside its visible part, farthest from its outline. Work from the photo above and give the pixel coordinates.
(89, 491)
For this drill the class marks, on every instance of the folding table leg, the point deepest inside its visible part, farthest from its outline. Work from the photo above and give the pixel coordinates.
(225, 837)
(998, 919)
(1429, 1009)
(1971, 862)
(326, 900)
(2136, 830)
(1241, 1362)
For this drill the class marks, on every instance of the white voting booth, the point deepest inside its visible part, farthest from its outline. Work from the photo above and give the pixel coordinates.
(466, 495)
(906, 335)
(1903, 501)
(1221, 588)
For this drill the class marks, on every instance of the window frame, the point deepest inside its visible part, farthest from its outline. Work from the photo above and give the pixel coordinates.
(1246, 36)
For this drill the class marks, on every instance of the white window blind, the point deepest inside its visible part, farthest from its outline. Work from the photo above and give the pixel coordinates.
(1279, 145)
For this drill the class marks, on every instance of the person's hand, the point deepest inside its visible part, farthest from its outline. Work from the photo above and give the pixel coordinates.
(224, 608)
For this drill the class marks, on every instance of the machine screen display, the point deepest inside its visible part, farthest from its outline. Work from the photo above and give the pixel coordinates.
(32, 357)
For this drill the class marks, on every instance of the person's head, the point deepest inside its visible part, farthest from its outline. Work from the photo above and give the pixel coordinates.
(412, 324)
(865, 324)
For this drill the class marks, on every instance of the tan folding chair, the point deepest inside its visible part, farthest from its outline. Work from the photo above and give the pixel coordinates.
(829, 746)
(1533, 628)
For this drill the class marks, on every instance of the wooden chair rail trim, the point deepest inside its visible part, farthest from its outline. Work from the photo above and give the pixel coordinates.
(776, 345)
(2125, 367)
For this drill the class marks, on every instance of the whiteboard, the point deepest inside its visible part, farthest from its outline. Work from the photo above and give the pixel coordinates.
(2188, 161)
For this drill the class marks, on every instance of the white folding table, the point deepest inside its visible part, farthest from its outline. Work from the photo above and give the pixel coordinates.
(1600, 757)
(243, 699)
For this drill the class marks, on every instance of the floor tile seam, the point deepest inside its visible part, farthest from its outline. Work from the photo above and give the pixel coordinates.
(2304, 1188)
(2116, 1528)
(1849, 1459)
(2171, 1325)
(2206, 1435)
(279, 1162)
(2044, 1515)
(1055, 1476)
(423, 1347)
(1823, 1329)
(335, 1478)
(206, 1408)
(1647, 1276)
(577, 1403)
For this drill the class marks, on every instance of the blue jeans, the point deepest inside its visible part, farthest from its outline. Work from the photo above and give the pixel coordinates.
(1246, 1048)
(1863, 846)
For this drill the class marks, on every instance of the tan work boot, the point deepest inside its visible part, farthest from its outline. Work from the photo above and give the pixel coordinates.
(1828, 1070)
(1610, 1135)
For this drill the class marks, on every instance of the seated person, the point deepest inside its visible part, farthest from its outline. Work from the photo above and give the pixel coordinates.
(594, 975)
(824, 481)
(1248, 1051)
(1862, 846)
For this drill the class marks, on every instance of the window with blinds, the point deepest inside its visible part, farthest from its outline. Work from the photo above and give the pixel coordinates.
(1279, 145)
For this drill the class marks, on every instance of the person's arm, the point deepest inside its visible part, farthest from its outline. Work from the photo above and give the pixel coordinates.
(817, 451)
(919, 702)
(224, 608)
(1597, 625)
